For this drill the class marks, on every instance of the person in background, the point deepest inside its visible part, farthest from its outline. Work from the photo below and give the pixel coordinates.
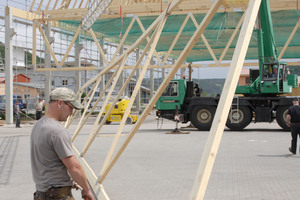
(38, 106)
(17, 112)
(55, 168)
(293, 121)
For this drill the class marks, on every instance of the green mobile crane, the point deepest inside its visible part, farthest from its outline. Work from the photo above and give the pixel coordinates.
(260, 101)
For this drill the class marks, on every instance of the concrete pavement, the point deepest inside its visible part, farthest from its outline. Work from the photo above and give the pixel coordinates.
(252, 164)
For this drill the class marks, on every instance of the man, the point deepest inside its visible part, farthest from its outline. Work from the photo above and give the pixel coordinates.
(54, 165)
(38, 106)
(293, 121)
(17, 113)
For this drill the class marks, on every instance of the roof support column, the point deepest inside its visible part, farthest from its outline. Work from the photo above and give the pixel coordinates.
(47, 65)
(78, 48)
(9, 33)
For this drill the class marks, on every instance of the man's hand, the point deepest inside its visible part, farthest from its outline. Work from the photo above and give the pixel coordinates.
(87, 195)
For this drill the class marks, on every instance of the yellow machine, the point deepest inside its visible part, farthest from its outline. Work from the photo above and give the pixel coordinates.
(117, 113)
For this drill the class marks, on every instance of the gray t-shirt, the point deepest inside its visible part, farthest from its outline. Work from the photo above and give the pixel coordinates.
(50, 142)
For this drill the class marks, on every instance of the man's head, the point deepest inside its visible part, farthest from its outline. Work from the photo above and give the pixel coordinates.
(66, 95)
(62, 103)
(296, 101)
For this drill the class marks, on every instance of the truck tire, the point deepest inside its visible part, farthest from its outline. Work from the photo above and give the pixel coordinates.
(281, 115)
(239, 117)
(202, 117)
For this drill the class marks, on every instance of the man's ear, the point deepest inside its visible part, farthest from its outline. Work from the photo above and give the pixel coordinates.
(59, 103)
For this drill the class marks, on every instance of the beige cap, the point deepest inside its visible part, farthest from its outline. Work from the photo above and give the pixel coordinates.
(65, 94)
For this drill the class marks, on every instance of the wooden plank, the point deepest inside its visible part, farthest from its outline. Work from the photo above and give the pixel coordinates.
(32, 4)
(237, 28)
(54, 7)
(217, 128)
(143, 30)
(75, 2)
(80, 4)
(205, 41)
(289, 40)
(48, 4)
(97, 188)
(48, 44)
(98, 45)
(164, 84)
(123, 38)
(91, 95)
(173, 5)
(41, 3)
(93, 132)
(70, 46)
(176, 38)
(124, 87)
(80, 125)
(155, 37)
(72, 117)
(23, 14)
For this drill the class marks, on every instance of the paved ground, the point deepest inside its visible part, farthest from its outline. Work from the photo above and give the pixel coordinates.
(252, 164)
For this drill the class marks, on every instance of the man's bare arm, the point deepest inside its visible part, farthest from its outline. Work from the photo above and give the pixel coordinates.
(77, 173)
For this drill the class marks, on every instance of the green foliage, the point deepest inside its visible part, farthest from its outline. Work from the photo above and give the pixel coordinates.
(83, 96)
(2, 116)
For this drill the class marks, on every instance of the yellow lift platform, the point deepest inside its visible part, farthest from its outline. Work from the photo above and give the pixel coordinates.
(117, 113)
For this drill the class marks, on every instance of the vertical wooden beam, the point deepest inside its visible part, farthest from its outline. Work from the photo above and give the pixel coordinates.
(289, 40)
(164, 84)
(221, 115)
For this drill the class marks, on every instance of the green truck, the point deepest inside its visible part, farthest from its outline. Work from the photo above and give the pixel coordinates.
(259, 101)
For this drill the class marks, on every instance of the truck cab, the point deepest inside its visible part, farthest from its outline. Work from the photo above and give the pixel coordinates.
(173, 95)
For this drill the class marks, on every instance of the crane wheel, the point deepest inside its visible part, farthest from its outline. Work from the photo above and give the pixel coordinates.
(281, 113)
(239, 117)
(202, 117)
